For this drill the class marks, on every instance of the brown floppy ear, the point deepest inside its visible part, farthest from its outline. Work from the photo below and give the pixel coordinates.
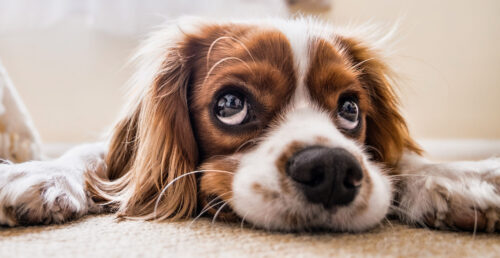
(386, 131)
(153, 144)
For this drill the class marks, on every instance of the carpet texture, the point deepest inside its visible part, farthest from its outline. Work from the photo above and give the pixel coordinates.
(102, 236)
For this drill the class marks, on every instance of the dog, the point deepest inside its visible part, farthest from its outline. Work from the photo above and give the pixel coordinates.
(288, 125)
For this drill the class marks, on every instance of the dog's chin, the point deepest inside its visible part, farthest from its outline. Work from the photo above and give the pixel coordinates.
(311, 218)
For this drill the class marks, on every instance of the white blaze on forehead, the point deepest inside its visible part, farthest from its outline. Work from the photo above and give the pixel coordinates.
(299, 38)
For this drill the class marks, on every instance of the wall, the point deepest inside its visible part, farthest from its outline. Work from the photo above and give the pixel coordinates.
(70, 78)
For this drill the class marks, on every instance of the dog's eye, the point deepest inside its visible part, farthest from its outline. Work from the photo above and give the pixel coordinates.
(348, 114)
(231, 109)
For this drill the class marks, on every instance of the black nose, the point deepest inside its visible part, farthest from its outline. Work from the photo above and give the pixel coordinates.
(330, 176)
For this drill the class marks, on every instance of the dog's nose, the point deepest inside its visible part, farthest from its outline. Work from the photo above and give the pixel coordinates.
(330, 176)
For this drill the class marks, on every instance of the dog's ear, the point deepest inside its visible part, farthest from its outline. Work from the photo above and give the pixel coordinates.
(386, 131)
(153, 148)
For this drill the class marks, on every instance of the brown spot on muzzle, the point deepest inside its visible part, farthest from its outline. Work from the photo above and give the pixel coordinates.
(267, 194)
(282, 161)
(365, 190)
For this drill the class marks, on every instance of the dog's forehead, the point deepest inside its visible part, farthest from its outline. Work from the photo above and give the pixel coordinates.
(300, 39)
(322, 65)
(303, 51)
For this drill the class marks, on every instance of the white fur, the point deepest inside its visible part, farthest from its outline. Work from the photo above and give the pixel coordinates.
(49, 191)
(442, 188)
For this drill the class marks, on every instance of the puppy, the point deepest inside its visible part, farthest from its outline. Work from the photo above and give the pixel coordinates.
(286, 124)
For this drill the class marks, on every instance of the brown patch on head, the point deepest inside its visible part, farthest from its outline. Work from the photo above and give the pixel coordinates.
(256, 63)
(358, 71)
(387, 135)
(331, 78)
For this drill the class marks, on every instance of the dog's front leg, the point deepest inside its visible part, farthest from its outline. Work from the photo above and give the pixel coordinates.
(456, 195)
(43, 192)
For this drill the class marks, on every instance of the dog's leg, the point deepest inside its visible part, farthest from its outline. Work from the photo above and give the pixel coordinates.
(43, 192)
(456, 195)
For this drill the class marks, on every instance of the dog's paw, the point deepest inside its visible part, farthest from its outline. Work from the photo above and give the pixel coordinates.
(458, 196)
(41, 193)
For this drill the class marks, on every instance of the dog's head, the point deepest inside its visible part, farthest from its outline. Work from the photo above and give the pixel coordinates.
(284, 123)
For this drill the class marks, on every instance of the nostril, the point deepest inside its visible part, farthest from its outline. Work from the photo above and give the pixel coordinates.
(351, 183)
(308, 176)
(317, 177)
(352, 180)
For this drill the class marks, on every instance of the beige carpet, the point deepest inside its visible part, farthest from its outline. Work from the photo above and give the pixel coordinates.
(101, 236)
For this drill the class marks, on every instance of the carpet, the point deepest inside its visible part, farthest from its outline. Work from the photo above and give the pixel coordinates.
(102, 236)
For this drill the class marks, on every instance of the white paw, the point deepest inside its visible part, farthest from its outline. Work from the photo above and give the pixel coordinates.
(461, 195)
(40, 192)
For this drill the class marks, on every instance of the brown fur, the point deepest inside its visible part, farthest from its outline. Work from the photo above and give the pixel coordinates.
(287, 153)
(216, 183)
(267, 74)
(330, 77)
(387, 134)
(153, 146)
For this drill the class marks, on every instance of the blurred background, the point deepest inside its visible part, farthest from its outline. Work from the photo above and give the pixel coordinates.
(67, 58)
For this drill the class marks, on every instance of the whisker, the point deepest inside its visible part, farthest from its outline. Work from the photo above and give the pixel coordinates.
(218, 211)
(220, 62)
(389, 222)
(412, 175)
(267, 222)
(244, 144)
(181, 176)
(227, 37)
(475, 221)
(398, 209)
(243, 221)
(374, 149)
(207, 207)
(355, 67)
(215, 199)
